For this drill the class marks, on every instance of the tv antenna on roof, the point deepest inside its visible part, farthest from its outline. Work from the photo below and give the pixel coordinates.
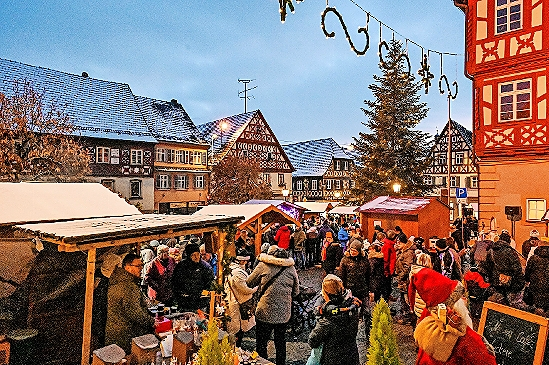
(245, 92)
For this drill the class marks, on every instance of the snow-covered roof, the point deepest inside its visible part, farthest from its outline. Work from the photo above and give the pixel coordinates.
(42, 202)
(168, 120)
(236, 124)
(342, 209)
(316, 207)
(248, 211)
(395, 205)
(96, 108)
(313, 158)
(275, 202)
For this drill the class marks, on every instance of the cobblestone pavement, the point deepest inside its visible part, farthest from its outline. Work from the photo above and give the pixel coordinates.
(298, 350)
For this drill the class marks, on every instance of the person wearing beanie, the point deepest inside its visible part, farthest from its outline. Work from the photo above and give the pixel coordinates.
(190, 277)
(332, 253)
(354, 271)
(406, 256)
(277, 277)
(282, 237)
(343, 236)
(532, 241)
(502, 269)
(448, 339)
(159, 276)
(445, 260)
(337, 326)
(238, 292)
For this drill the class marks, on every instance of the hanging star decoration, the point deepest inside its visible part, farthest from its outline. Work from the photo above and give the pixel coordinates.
(426, 75)
(282, 8)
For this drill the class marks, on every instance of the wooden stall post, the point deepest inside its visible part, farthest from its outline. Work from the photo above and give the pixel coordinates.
(88, 305)
(258, 235)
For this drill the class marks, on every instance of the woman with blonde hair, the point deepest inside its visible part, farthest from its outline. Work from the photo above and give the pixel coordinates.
(422, 260)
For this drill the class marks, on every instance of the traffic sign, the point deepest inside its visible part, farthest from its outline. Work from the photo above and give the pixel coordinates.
(461, 193)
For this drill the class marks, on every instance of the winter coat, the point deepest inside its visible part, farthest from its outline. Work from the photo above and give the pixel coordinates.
(336, 331)
(238, 292)
(528, 244)
(322, 232)
(275, 305)
(299, 240)
(538, 276)
(283, 237)
(419, 303)
(127, 314)
(503, 259)
(334, 254)
(389, 257)
(343, 237)
(467, 349)
(403, 264)
(354, 271)
(189, 280)
(377, 276)
(159, 279)
(448, 263)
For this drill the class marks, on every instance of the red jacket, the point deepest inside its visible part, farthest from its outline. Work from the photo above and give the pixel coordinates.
(283, 237)
(389, 256)
(468, 350)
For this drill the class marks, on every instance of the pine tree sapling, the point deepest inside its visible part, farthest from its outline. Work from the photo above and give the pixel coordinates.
(392, 150)
(383, 348)
(213, 351)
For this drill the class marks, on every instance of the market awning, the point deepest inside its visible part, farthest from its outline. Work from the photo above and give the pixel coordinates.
(345, 210)
(316, 207)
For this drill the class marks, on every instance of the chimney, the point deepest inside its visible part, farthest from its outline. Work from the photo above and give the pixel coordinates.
(85, 74)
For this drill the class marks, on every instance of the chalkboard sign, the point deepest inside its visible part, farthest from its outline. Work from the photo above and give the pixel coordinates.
(518, 337)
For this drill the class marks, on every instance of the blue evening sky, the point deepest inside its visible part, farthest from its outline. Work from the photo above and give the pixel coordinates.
(308, 87)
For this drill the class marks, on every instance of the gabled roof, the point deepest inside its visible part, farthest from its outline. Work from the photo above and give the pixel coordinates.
(235, 126)
(97, 108)
(464, 132)
(250, 212)
(313, 158)
(395, 205)
(275, 202)
(168, 121)
(342, 209)
(44, 202)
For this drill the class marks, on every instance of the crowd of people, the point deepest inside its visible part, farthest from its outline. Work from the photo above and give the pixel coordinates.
(413, 275)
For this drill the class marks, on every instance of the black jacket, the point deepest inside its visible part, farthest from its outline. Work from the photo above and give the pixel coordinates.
(188, 280)
(538, 277)
(355, 274)
(503, 259)
(334, 254)
(336, 330)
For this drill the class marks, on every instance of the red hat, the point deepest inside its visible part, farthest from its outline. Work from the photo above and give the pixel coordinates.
(434, 288)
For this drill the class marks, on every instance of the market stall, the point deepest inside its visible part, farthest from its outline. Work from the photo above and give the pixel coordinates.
(258, 218)
(316, 208)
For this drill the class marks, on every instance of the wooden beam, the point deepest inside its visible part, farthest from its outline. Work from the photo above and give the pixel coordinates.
(88, 306)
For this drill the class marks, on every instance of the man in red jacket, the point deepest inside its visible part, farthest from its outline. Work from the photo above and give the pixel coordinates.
(282, 237)
(389, 261)
(446, 339)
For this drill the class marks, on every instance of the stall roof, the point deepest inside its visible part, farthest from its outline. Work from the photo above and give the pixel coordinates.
(345, 210)
(122, 229)
(275, 202)
(316, 207)
(395, 205)
(45, 202)
(249, 211)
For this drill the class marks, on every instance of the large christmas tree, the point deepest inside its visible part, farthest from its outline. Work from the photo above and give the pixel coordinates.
(392, 151)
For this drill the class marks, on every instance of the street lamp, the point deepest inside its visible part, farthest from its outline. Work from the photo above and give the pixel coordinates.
(337, 195)
(285, 193)
(396, 188)
(223, 126)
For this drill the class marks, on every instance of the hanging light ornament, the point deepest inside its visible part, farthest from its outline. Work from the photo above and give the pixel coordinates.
(426, 75)
(443, 77)
(392, 67)
(360, 30)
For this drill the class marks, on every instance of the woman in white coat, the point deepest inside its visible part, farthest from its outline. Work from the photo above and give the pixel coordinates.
(238, 292)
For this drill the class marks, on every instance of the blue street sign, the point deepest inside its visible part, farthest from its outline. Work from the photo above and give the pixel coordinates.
(461, 193)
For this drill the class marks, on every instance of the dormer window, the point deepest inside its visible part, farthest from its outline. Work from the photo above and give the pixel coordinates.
(508, 15)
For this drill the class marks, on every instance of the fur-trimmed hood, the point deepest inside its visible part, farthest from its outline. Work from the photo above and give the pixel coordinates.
(277, 261)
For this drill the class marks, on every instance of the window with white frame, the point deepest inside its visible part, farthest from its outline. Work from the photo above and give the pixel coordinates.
(454, 181)
(353, 184)
(161, 155)
(267, 178)
(428, 179)
(314, 184)
(535, 209)
(103, 155)
(179, 156)
(337, 165)
(508, 15)
(328, 184)
(171, 155)
(474, 182)
(181, 182)
(204, 158)
(337, 184)
(459, 158)
(281, 179)
(163, 181)
(199, 182)
(515, 100)
(442, 159)
(136, 157)
(346, 165)
(299, 185)
(196, 158)
(135, 188)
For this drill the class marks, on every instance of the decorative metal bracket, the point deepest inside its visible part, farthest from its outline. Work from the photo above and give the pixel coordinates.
(392, 67)
(442, 91)
(426, 75)
(282, 8)
(332, 34)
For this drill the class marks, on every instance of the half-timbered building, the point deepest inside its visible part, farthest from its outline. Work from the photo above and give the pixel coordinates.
(507, 51)
(248, 135)
(323, 170)
(463, 174)
(106, 120)
(181, 165)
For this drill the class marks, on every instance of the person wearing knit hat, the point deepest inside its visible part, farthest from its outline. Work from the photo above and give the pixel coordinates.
(191, 276)
(446, 260)
(332, 253)
(532, 241)
(450, 338)
(337, 326)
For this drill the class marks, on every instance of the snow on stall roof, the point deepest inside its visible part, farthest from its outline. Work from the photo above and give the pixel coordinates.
(344, 210)
(395, 205)
(39, 202)
(246, 210)
(315, 207)
(275, 202)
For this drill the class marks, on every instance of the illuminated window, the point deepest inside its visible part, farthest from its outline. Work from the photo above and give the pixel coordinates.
(515, 100)
(535, 209)
(103, 155)
(508, 15)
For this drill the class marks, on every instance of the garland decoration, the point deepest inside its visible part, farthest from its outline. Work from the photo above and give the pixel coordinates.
(451, 94)
(360, 30)
(392, 67)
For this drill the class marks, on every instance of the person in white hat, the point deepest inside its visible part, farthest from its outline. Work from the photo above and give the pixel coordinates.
(532, 241)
